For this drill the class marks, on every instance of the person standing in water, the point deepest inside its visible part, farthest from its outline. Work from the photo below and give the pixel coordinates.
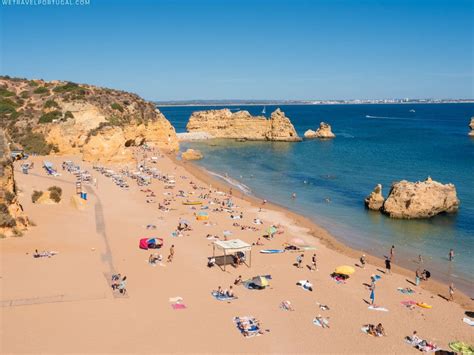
(392, 252)
(293, 195)
(451, 255)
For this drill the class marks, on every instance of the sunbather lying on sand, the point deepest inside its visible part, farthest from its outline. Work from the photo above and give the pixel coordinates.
(420, 344)
(44, 254)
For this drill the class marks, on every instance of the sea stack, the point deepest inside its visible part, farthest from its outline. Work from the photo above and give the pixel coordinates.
(471, 126)
(375, 200)
(242, 125)
(324, 132)
(422, 199)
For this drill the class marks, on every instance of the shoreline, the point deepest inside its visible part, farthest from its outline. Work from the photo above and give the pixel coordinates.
(434, 286)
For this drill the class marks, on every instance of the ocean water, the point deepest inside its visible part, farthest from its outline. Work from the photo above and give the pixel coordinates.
(374, 144)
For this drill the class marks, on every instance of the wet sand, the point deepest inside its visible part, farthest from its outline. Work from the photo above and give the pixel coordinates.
(64, 303)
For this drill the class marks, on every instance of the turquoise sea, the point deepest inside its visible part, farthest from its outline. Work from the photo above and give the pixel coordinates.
(374, 144)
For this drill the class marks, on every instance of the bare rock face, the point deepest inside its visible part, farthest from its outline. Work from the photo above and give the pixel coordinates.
(375, 200)
(242, 125)
(471, 126)
(324, 131)
(191, 154)
(422, 199)
(309, 134)
(13, 220)
(69, 118)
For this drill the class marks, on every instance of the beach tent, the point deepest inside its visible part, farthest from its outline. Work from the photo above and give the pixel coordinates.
(260, 281)
(233, 246)
(150, 243)
(344, 270)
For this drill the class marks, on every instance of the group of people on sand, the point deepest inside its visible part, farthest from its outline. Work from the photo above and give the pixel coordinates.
(375, 330)
(119, 283)
(225, 293)
(314, 262)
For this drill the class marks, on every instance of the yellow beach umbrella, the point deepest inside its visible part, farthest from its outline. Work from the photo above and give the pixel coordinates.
(344, 270)
(260, 281)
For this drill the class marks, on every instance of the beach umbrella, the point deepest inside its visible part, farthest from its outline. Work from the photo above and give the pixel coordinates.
(260, 281)
(344, 270)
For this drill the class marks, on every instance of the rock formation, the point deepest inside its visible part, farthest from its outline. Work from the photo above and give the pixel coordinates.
(324, 131)
(242, 125)
(309, 134)
(68, 118)
(191, 154)
(422, 199)
(13, 220)
(471, 126)
(375, 200)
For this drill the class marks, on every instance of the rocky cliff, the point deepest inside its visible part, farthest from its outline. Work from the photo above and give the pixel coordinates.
(422, 199)
(13, 221)
(471, 126)
(242, 125)
(69, 118)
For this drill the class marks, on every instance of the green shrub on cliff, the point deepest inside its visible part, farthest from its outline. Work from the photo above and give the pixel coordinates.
(50, 116)
(68, 114)
(51, 104)
(41, 90)
(35, 143)
(6, 93)
(117, 106)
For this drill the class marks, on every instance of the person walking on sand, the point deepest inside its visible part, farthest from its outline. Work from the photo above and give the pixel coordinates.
(299, 261)
(362, 261)
(417, 277)
(372, 294)
(451, 255)
(388, 266)
(451, 292)
(314, 263)
(392, 252)
(170, 257)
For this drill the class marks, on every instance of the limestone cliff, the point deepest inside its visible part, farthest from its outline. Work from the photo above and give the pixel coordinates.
(375, 200)
(242, 125)
(13, 221)
(68, 118)
(471, 126)
(422, 199)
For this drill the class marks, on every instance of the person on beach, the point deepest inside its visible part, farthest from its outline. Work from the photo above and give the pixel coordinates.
(314, 265)
(417, 277)
(379, 330)
(451, 292)
(451, 255)
(388, 266)
(238, 280)
(122, 287)
(299, 261)
(230, 292)
(420, 259)
(372, 294)
(392, 252)
(293, 195)
(362, 261)
(171, 255)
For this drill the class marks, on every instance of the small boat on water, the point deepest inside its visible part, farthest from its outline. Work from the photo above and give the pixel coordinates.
(264, 111)
(412, 110)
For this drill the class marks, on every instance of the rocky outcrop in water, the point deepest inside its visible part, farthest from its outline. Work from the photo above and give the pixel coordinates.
(324, 132)
(375, 200)
(471, 126)
(192, 154)
(13, 220)
(422, 199)
(69, 118)
(242, 125)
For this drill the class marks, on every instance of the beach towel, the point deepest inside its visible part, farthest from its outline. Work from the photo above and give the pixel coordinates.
(221, 297)
(272, 251)
(377, 308)
(338, 279)
(318, 322)
(176, 306)
(461, 347)
(421, 345)
(408, 291)
(247, 326)
(468, 321)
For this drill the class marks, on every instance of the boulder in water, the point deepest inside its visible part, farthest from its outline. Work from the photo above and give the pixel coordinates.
(471, 126)
(422, 199)
(192, 154)
(324, 131)
(375, 200)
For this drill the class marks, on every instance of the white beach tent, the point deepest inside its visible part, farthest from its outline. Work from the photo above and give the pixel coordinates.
(233, 246)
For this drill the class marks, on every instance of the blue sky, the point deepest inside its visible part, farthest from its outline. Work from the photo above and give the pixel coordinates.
(259, 49)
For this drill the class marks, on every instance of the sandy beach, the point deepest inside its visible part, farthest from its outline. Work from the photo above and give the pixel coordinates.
(53, 305)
